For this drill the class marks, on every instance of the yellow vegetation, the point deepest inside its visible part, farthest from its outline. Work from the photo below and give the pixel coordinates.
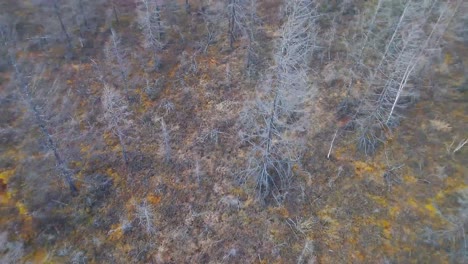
(386, 228)
(5, 195)
(114, 175)
(5, 175)
(412, 203)
(332, 227)
(85, 148)
(448, 58)
(379, 200)
(21, 208)
(394, 211)
(361, 167)
(432, 210)
(409, 179)
(372, 171)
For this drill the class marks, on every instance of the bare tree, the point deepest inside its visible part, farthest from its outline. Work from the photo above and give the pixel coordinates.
(187, 7)
(116, 116)
(403, 52)
(268, 126)
(86, 13)
(371, 26)
(62, 25)
(115, 54)
(150, 23)
(145, 215)
(114, 11)
(243, 20)
(236, 11)
(251, 28)
(84, 16)
(51, 144)
(211, 22)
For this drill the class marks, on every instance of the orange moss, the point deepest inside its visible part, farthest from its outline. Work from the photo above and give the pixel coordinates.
(172, 73)
(40, 256)
(116, 232)
(153, 199)
(280, 211)
(146, 103)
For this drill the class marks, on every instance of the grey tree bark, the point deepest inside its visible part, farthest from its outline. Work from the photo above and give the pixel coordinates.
(61, 164)
(62, 26)
(281, 95)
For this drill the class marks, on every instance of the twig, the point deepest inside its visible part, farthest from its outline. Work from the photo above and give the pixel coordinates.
(460, 145)
(331, 145)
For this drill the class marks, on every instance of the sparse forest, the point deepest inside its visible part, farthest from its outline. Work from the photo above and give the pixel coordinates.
(233, 131)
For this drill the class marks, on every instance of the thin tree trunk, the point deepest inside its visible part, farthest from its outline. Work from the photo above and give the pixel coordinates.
(231, 25)
(120, 61)
(411, 67)
(166, 139)
(64, 29)
(187, 7)
(391, 40)
(60, 164)
(370, 28)
(85, 18)
(265, 177)
(114, 10)
(158, 19)
(124, 149)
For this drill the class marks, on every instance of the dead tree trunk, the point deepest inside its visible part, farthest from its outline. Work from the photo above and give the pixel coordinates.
(62, 25)
(61, 165)
(232, 12)
(114, 11)
(120, 135)
(83, 14)
(267, 125)
(117, 117)
(119, 57)
(187, 7)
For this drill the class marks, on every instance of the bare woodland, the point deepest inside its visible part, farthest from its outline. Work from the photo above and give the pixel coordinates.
(233, 131)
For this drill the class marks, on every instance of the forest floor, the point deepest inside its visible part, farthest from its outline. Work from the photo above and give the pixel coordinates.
(408, 203)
